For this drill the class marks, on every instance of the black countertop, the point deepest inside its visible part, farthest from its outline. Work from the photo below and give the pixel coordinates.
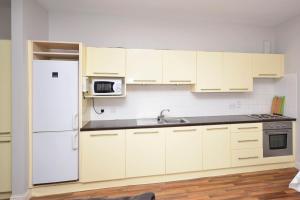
(193, 121)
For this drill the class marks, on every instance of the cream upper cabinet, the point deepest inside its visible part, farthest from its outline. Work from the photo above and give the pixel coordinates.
(210, 70)
(5, 86)
(144, 66)
(179, 67)
(238, 72)
(5, 163)
(102, 155)
(216, 147)
(145, 152)
(268, 65)
(183, 149)
(105, 61)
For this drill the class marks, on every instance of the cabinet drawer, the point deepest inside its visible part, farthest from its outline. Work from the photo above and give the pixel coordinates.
(251, 127)
(242, 140)
(246, 157)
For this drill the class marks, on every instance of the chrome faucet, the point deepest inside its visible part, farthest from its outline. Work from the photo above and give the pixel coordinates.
(161, 115)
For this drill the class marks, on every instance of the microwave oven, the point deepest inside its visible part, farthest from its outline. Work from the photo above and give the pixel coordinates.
(107, 87)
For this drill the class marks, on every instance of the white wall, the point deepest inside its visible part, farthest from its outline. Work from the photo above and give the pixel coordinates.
(29, 21)
(110, 31)
(5, 19)
(288, 42)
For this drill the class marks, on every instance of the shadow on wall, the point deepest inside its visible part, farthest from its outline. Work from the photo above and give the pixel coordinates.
(5, 19)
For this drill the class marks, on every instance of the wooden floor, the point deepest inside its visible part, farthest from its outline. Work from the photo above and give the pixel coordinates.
(264, 185)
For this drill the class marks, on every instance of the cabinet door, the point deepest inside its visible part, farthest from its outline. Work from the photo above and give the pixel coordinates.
(179, 67)
(102, 155)
(145, 152)
(238, 72)
(105, 61)
(5, 164)
(268, 65)
(216, 147)
(183, 149)
(209, 72)
(5, 86)
(144, 66)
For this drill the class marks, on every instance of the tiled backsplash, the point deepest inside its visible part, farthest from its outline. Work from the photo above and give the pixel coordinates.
(146, 101)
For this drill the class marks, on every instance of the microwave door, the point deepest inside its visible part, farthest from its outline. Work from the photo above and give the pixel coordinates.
(103, 87)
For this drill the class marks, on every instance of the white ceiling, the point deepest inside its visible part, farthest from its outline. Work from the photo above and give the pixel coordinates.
(256, 12)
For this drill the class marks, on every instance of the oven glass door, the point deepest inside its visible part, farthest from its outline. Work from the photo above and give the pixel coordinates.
(278, 141)
(103, 87)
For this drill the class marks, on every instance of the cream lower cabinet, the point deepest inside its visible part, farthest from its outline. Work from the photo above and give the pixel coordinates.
(267, 65)
(105, 61)
(102, 155)
(238, 72)
(210, 70)
(179, 67)
(5, 163)
(216, 147)
(183, 149)
(144, 66)
(145, 152)
(5, 85)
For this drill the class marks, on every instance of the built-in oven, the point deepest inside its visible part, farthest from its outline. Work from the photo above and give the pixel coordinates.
(277, 138)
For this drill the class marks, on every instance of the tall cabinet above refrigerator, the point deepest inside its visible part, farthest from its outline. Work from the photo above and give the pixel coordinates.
(55, 121)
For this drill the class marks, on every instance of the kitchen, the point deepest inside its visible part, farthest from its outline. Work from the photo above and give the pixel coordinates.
(181, 106)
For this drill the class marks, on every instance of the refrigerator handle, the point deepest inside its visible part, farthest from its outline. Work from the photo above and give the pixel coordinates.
(75, 141)
(75, 121)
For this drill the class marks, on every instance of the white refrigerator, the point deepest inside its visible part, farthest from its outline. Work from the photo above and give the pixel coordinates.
(55, 121)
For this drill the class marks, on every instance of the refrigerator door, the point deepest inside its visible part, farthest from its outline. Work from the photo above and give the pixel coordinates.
(55, 157)
(55, 95)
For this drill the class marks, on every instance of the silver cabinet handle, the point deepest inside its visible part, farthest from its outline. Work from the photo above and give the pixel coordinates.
(5, 141)
(144, 80)
(247, 158)
(104, 134)
(146, 132)
(221, 128)
(174, 81)
(242, 141)
(268, 74)
(105, 73)
(245, 128)
(207, 89)
(239, 89)
(184, 130)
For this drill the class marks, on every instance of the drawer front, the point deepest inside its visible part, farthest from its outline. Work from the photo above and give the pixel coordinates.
(251, 127)
(246, 140)
(246, 157)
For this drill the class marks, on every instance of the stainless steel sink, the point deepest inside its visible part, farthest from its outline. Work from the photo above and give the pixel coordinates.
(154, 121)
(174, 120)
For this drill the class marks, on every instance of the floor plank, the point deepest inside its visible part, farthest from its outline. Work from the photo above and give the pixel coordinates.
(266, 185)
